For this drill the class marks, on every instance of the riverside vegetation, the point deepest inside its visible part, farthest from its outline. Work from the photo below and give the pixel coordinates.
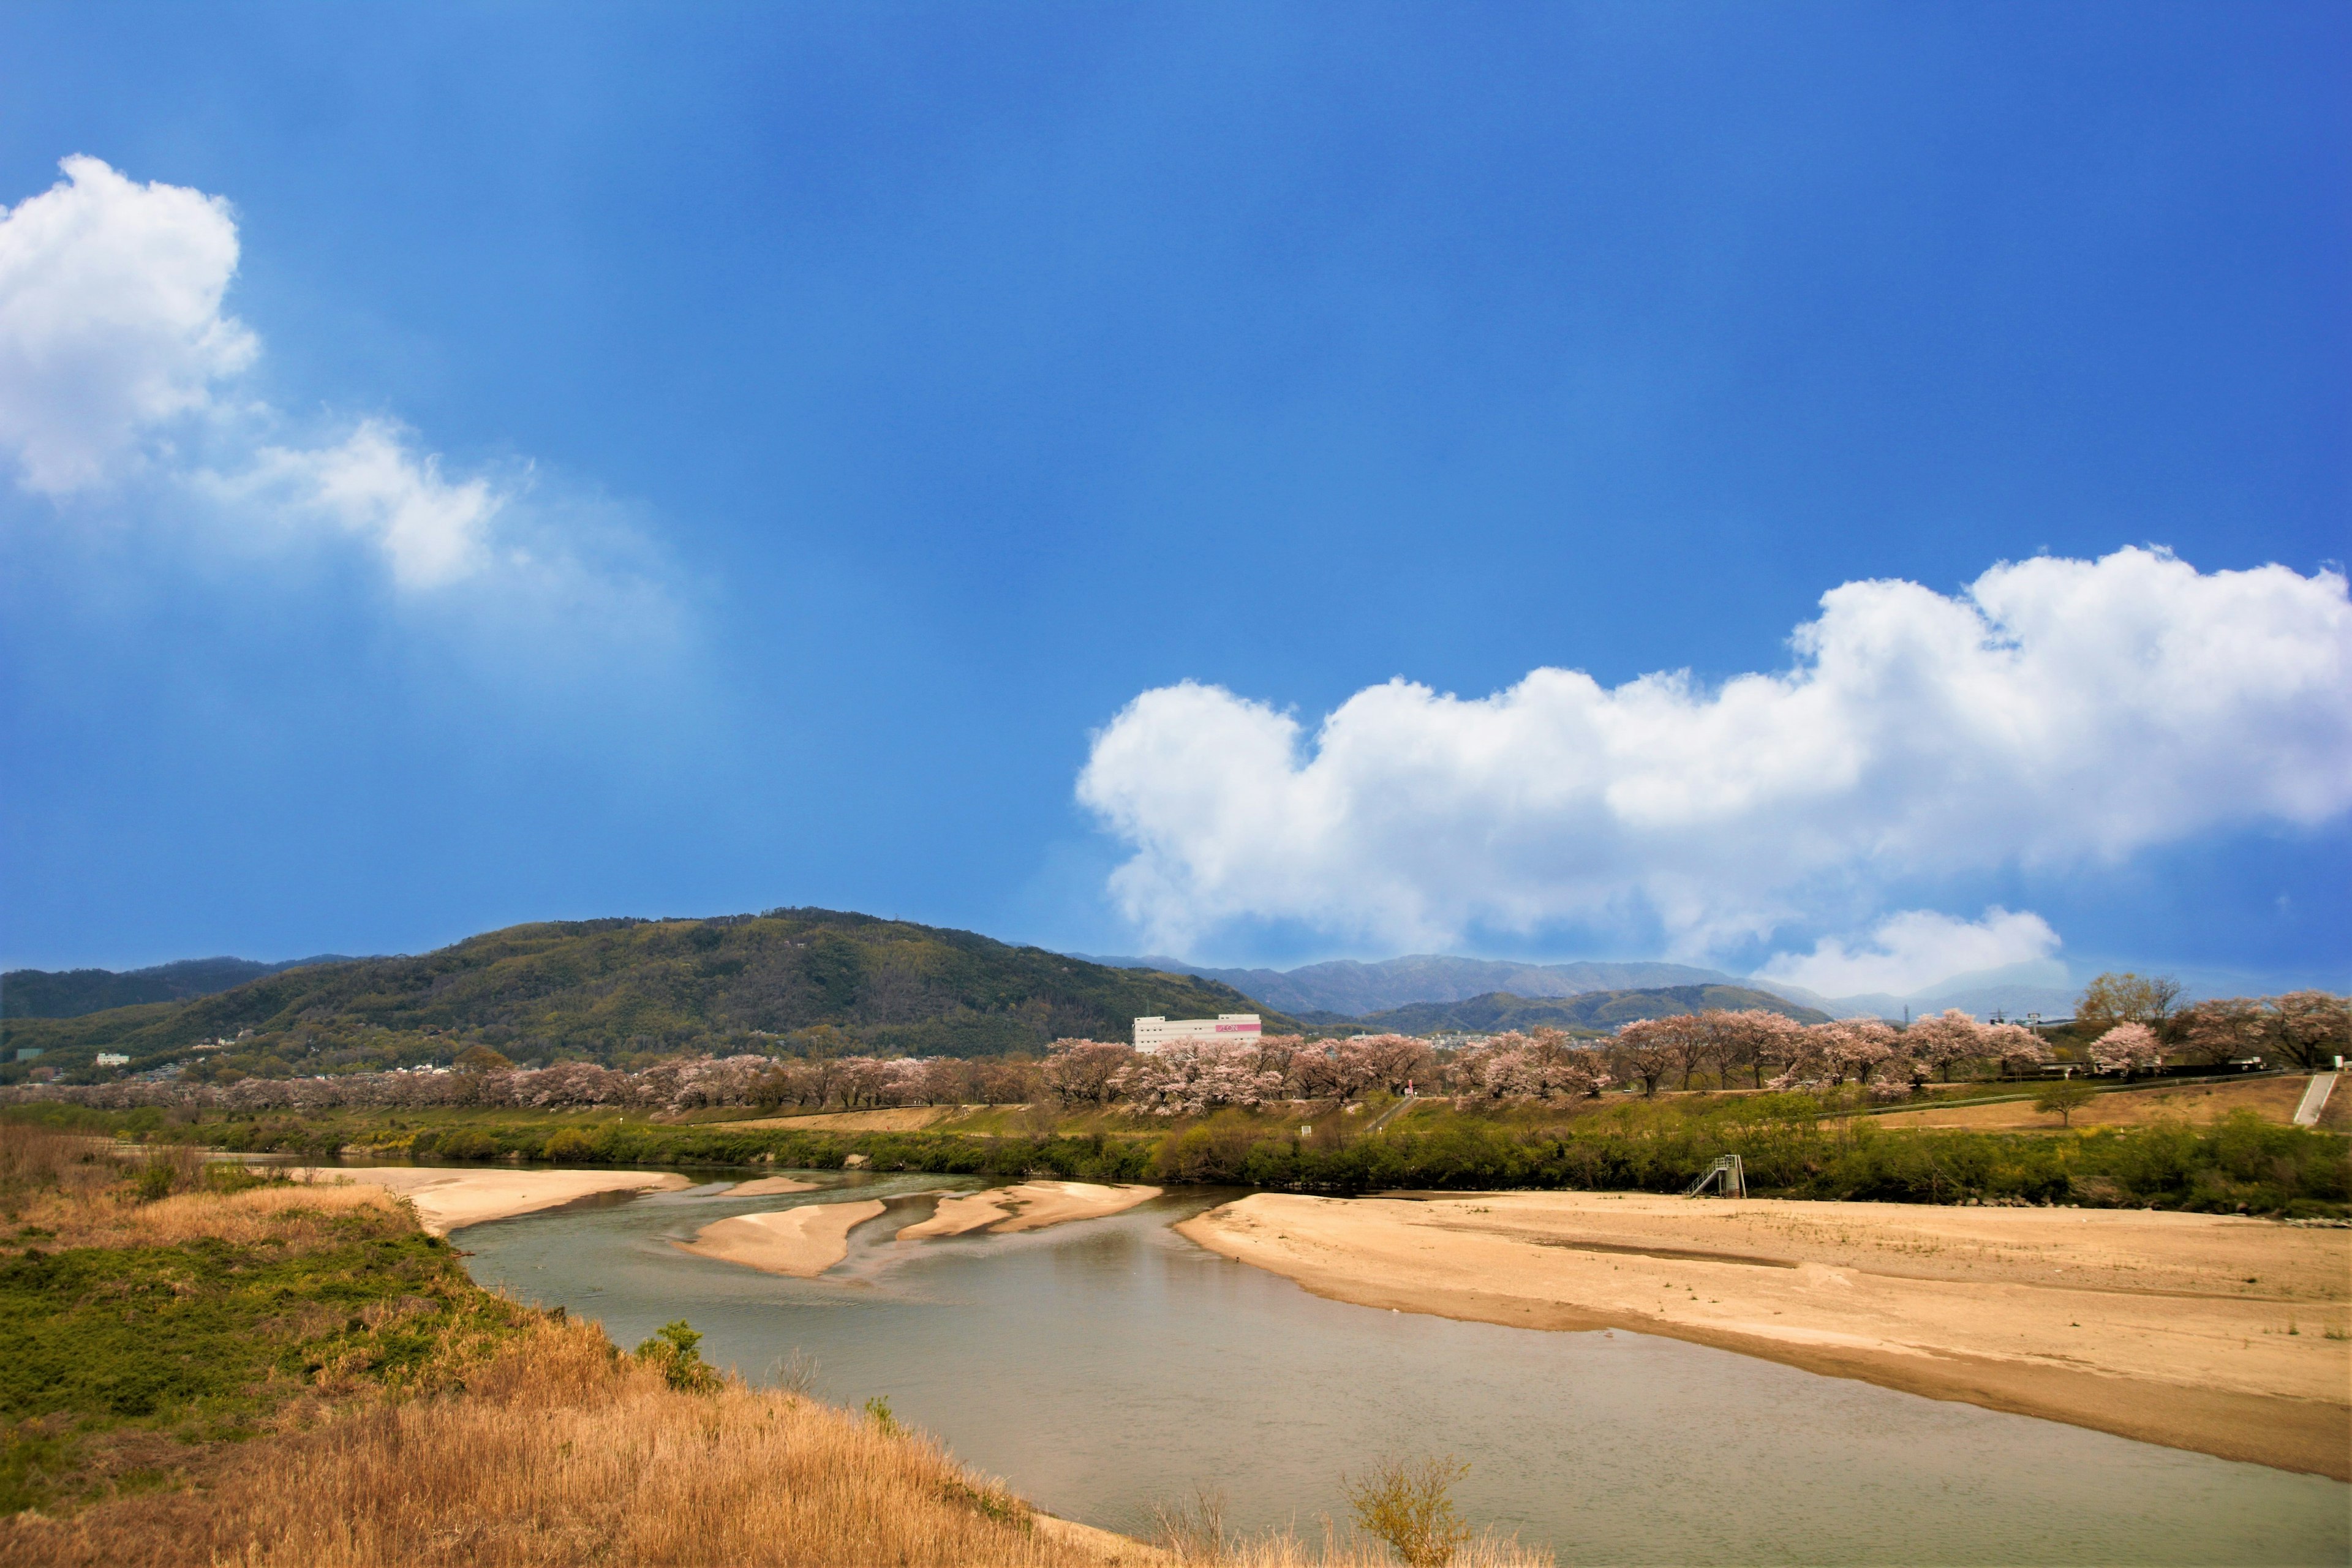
(1793, 1145)
(1539, 1109)
(206, 1366)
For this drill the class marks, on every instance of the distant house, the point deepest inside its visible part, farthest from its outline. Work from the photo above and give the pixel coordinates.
(112, 1059)
(1155, 1035)
(26, 1053)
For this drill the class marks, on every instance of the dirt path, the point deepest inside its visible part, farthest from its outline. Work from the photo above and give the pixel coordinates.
(2169, 1328)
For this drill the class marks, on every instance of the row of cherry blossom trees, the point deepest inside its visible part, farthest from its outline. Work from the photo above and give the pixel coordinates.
(1725, 1046)
(2300, 1028)
(1188, 1079)
(684, 1084)
(1718, 1046)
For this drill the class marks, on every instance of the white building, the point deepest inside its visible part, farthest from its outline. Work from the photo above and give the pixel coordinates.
(1152, 1035)
(112, 1059)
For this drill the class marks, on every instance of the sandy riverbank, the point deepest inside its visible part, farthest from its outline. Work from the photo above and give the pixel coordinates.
(1030, 1205)
(802, 1242)
(2169, 1328)
(448, 1200)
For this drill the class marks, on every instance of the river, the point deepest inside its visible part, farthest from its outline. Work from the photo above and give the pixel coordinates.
(1102, 1366)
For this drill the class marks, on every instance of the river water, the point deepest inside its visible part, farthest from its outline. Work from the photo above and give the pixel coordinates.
(1103, 1365)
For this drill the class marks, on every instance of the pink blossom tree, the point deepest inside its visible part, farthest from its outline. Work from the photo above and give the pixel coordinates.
(1948, 1037)
(2016, 1048)
(2126, 1048)
(1649, 1049)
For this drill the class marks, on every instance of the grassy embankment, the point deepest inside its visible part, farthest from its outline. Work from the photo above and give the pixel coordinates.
(200, 1369)
(1798, 1146)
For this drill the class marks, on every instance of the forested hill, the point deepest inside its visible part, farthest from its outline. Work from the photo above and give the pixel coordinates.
(615, 990)
(1499, 1010)
(71, 992)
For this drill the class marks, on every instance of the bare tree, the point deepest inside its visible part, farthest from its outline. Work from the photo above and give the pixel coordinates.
(2124, 998)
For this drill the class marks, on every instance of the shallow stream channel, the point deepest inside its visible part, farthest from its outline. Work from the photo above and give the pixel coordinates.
(1106, 1364)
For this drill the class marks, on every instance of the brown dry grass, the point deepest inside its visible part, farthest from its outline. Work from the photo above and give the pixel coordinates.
(1336, 1551)
(34, 1159)
(560, 1453)
(2272, 1098)
(84, 1192)
(296, 1214)
(544, 1448)
(888, 1118)
(1185, 1542)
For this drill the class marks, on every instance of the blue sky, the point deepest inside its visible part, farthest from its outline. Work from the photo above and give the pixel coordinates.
(863, 406)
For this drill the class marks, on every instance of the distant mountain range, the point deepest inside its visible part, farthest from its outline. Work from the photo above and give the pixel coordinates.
(2014, 991)
(1348, 989)
(611, 990)
(1345, 989)
(1499, 1010)
(71, 993)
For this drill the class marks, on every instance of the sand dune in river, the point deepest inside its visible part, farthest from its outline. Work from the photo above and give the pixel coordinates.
(802, 1242)
(1031, 1206)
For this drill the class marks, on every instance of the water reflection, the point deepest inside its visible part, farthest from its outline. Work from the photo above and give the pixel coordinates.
(1106, 1364)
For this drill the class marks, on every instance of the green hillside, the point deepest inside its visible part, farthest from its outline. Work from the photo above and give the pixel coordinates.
(71, 992)
(616, 989)
(1595, 1010)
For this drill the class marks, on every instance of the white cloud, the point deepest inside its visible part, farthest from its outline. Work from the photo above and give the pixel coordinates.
(1908, 952)
(111, 320)
(117, 362)
(2053, 711)
(371, 483)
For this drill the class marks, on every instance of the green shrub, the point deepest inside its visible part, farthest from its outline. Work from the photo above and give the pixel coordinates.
(569, 1144)
(672, 1352)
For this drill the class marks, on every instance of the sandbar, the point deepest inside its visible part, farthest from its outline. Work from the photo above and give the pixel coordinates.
(763, 1186)
(1029, 1205)
(2203, 1332)
(449, 1200)
(802, 1242)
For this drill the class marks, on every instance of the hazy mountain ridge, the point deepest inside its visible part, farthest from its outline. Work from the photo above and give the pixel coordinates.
(1346, 988)
(72, 992)
(1601, 1010)
(1349, 991)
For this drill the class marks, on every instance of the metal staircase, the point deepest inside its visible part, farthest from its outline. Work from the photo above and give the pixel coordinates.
(1734, 1178)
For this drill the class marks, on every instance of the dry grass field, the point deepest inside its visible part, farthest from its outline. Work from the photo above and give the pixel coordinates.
(890, 1119)
(295, 1376)
(2272, 1098)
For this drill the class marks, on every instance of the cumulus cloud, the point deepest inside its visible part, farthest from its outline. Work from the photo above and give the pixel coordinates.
(118, 362)
(1909, 952)
(110, 323)
(2053, 711)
